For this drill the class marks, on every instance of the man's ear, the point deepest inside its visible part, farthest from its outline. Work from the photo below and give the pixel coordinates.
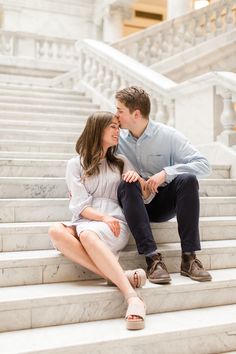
(137, 114)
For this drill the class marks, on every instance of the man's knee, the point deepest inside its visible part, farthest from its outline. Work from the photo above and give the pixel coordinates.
(188, 180)
(125, 187)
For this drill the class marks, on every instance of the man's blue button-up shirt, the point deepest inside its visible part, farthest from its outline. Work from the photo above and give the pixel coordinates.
(161, 147)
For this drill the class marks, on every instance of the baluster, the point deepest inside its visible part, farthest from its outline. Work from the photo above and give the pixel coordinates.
(94, 71)
(107, 83)
(115, 82)
(101, 76)
(171, 111)
(50, 49)
(208, 24)
(162, 115)
(86, 68)
(198, 30)
(41, 48)
(218, 21)
(229, 17)
(228, 116)
(59, 50)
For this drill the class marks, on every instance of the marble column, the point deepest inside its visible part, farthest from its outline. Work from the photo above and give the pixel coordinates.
(177, 8)
(112, 24)
(109, 15)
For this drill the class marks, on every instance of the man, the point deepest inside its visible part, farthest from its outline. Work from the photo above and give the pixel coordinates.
(169, 164)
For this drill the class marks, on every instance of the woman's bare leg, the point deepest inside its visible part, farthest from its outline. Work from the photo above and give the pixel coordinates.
(64, 239)
(107, 263)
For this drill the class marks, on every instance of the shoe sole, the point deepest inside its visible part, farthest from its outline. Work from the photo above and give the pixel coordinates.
(135, 325)
(160, 281)
(196, 278)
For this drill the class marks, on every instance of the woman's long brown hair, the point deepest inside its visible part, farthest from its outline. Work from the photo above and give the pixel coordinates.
(89, 144)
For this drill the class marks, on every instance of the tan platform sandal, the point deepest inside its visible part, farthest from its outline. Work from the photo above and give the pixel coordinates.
(136, 277)
(138, 310)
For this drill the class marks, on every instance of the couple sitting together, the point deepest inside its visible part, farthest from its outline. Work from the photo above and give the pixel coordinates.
(119, 182)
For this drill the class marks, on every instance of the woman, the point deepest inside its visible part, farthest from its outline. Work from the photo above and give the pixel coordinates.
(98, 222)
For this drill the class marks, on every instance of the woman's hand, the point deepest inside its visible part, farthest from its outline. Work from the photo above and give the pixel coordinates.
(113, 223)
(130, 176)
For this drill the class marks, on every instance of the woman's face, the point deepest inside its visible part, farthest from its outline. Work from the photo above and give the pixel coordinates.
(111, 134)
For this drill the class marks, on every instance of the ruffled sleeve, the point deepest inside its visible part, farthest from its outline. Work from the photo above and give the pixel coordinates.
(80, 198)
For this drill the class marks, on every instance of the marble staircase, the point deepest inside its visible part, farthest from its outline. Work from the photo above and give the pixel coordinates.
(50, 305)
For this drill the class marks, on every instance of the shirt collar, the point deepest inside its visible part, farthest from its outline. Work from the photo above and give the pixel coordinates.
(147, 132)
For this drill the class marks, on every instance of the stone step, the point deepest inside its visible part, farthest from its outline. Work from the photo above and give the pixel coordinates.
(44, 117)
(51, 209)
(23, 125)
(39, 89)
(69, 96)
(217, 187)
(54, 168)
(201, 331)
(220, 171)
(35, 155)
(48, 187)
(64, 303)
(46, 101)
(27, 236)
(47, 109)
(32, 168)
(37, 146)
(38, 136)
(50, 266)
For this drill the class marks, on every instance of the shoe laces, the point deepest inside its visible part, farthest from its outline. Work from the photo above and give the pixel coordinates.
(158, 261)
(196, 262)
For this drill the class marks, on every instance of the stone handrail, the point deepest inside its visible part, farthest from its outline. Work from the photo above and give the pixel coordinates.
(161, 41)
(38, 47)
(103, 70)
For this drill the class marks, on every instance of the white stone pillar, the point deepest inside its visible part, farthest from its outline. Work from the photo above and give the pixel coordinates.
(112, 25)
(177, 8)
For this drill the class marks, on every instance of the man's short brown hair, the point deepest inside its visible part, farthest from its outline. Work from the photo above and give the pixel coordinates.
(133, 98)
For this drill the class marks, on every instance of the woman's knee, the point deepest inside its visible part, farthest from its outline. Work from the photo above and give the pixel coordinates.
(55, 231)
(87, 238)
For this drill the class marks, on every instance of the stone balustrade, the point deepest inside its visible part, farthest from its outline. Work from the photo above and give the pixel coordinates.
(171, 37)
(37, 47)
(202, 108)
(103, 70)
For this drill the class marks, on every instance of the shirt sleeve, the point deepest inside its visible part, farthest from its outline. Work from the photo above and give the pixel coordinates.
(80, 198)
(186, 159)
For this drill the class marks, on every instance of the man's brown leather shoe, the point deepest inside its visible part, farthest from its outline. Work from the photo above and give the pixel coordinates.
(191, 267)
(157, 272)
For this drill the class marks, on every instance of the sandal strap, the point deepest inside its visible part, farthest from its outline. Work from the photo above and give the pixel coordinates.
(136, 310)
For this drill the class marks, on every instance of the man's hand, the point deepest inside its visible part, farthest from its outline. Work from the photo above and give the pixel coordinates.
(113, 223)
(145, 189)
(156, 180)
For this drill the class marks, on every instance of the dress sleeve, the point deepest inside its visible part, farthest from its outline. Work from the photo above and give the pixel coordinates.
(127, 164)
(80, 198)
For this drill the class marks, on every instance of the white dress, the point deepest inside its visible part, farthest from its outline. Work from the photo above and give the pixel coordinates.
(99, 192)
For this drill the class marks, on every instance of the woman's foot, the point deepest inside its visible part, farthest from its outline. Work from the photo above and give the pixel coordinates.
(136, 312)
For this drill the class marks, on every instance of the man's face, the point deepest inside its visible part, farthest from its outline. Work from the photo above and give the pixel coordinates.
(123, 114)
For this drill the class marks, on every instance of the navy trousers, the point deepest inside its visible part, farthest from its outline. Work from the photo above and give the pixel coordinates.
(179, 198)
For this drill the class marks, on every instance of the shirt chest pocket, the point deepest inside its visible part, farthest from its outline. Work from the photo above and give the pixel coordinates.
(155, 162)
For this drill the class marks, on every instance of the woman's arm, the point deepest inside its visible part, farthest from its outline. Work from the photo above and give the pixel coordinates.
(93, 214)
